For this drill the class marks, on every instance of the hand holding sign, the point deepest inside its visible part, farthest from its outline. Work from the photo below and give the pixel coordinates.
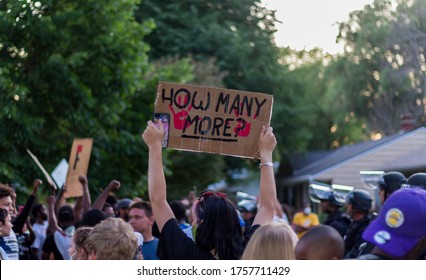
(213, 120)
(153, 134)
(267, 140)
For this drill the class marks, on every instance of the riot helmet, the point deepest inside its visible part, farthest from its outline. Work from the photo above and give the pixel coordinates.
(322, 192)
(391, 182)
(247, 205)
(417, 180)
(360, 200)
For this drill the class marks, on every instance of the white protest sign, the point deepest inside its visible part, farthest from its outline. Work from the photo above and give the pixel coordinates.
(59, 174)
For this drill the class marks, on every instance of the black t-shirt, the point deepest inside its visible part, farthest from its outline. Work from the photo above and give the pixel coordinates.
(354, 240)
(174, 244)
(49, 246)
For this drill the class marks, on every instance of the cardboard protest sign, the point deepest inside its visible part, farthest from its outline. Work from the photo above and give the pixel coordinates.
(78, 165)
(43, 170)
(213, 120)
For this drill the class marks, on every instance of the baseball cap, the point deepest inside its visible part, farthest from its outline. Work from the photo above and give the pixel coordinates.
(124, 203)
(401, 222)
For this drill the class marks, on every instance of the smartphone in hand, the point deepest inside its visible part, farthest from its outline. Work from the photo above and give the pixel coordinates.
(165, 119)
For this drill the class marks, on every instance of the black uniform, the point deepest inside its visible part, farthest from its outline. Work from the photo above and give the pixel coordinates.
(353, 239)
(339, 221)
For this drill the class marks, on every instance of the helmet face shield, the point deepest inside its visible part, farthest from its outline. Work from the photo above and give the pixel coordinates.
(372, 179)
(319, 191)
(340, 193)
(349, 198)
(247, 206)
(335, 194)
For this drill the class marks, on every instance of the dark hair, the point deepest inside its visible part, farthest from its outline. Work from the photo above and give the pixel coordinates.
(36, 208)
(219, 228)
(112, 200)
(3, 214)
(143, 205)
(6, 190)
(178, 209)
(66, 214)
(93, 217)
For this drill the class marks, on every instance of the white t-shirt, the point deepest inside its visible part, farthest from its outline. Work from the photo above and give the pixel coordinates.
(63, 241)
(40, 237)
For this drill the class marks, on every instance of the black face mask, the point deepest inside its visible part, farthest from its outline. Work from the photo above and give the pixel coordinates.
(43, 216)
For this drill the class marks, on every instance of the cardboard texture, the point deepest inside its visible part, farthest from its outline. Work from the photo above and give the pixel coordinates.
(78, 165)
(214, 120)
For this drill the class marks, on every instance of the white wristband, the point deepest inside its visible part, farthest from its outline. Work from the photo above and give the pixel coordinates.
(268, 163)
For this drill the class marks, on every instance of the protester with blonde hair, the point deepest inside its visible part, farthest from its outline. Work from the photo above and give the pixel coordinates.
(275, 241)
(112, 239)
(77, 249)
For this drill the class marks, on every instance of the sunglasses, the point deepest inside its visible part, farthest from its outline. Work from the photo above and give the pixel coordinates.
(207, 194)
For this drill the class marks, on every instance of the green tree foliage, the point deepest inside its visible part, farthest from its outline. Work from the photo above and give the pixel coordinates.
(238, 34)
(384, 69)
(231, 45)
(76, 69)
(314, 103)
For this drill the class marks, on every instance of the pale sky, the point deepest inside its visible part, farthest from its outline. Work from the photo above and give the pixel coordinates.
(312, 23)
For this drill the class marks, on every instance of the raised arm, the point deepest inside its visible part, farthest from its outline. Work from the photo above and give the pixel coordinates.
(102, 198)
(86, 201)
(156, 179)
(268, 191)
(53, 222)
(60, 198)
(19, 221)
(78, 208)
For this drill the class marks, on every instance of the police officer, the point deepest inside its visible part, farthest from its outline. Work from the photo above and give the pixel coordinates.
(417, 180)
(335, 217)
(389, 183)
(248, 211)
(358, 207)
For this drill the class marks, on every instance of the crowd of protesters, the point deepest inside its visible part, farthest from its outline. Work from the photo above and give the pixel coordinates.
(213, 226)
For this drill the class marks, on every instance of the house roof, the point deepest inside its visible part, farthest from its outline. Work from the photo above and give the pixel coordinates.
(402, 151)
